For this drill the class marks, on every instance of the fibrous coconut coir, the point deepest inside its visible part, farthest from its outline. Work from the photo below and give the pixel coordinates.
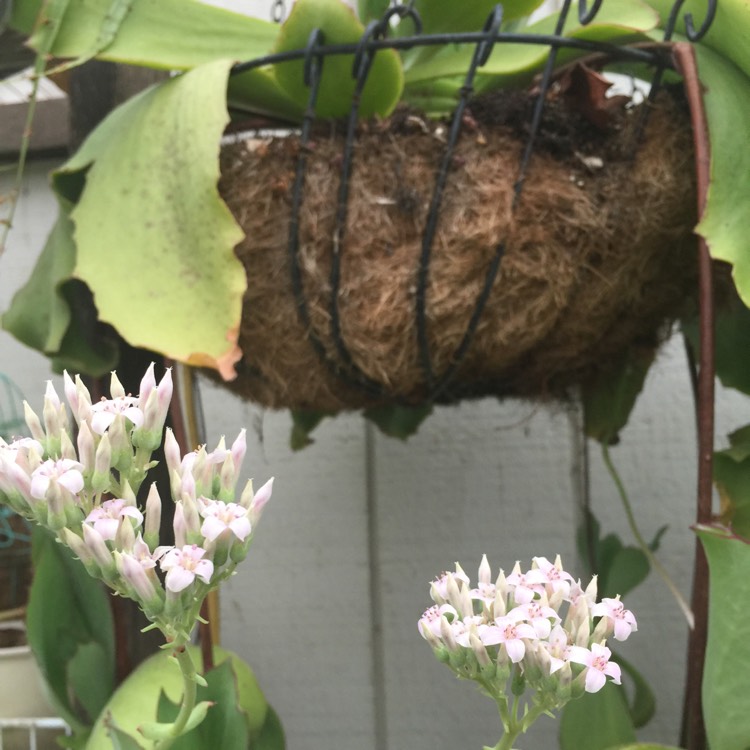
(599, 253)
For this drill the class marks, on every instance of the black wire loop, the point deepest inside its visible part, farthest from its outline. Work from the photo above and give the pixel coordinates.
(585, 17)
(690, 32)
(376, 37)
(404, 11)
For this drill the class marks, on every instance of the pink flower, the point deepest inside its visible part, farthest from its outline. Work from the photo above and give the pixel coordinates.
(623, 619)
(598, 665)
(222, 517)
(526, 585)
(106, 518)
(538, 616)
(183, 565)
(557, 578)
(104, 412)
(64, 471)
(508, 631)
(439, 586)
(430, 620)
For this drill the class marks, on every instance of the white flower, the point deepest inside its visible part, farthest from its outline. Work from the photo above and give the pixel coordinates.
(104, 412)
(598, 666)
(106, 518)
(183, 565)
(64, 471)
(222, 517)
(623, 620)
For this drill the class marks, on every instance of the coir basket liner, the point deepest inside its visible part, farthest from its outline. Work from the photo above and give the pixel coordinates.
(599, 253)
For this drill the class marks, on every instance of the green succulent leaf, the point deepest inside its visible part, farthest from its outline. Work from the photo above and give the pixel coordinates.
(339, 25)
(596, 721)
(372, 10)
(724, 685)
(728, 33)
(168, 34)
(727, 103)
(70, 630)
(509, 65)
(732, 479)
(52, 312)
(732, 329)
(271, 736)
(642, 704)
(154, 239)
(619, 568)
(399, 421)
(609, 398)
(303, 423)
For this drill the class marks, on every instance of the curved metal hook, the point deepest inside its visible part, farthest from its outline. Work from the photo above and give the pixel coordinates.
(491, 28)
(363, 56)
(313, 61)
(690, 31)
(404, 11)
(587, 16)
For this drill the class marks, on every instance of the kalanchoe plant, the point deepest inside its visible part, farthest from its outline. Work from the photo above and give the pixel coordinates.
(84, 490)
(532, 640)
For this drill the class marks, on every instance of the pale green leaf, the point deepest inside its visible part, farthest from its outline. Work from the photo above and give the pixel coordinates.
(69, 611)
(618, 21)
(154, 240)
(339, 25)
(171, 34)
(728, 35)
(596, 721)
(398, 421)
(724, 222)
(725, 677)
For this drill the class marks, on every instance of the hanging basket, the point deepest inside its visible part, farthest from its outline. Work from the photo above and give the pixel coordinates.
(598, 254)
(515, 249)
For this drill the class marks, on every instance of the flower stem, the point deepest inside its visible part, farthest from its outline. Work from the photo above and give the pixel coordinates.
(658, 567)
(188, 697)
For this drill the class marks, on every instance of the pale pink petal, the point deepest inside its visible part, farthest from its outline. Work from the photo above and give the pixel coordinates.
(212, 528)
(107, 527)
(241, 528)
(39, 486)
(178, 579)
(516, 649)
(594, 680)
(72, 480)
(204, 569)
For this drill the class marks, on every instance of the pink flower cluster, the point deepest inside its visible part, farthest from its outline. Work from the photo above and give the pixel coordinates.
(540, 623)
(85, 489)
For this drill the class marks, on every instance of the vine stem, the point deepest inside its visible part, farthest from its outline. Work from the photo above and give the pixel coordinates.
(190, 690)
(653, 561)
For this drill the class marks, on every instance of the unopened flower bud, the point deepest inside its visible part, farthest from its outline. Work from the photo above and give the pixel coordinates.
(35, 426)
(141, 584)
(80, 550)
(116, 388)
(228, 479)
(153, 518)
(479, 650)
(98, 548)
(125, 535)
(101, 478)
(172, 453)
(259, 501)
(122, 451)
(67, 449)
(179, 526)
(192, 520)
(148, 383)
(446, 633)
(238, 450)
